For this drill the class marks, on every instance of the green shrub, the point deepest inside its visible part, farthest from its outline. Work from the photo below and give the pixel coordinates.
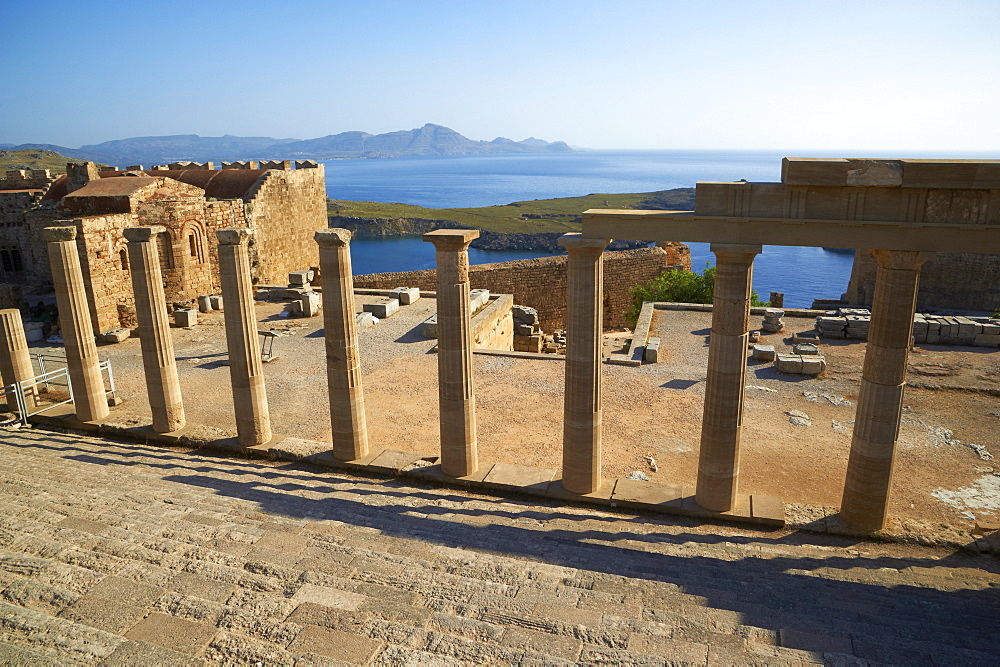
(680, 287)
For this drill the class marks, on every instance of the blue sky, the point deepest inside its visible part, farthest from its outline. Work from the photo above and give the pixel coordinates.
(626, 74)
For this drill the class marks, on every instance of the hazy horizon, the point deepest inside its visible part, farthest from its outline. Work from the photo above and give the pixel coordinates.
(639, 75)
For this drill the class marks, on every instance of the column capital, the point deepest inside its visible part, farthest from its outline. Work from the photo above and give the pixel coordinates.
(235, 236)
(576, 240)
(736, 248)
(336, 237)
(143, 234)
(57, 234)
(901, 260)
(451, 239)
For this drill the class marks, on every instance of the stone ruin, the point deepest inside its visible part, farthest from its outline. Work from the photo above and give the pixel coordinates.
(189, 201)
(837, 203)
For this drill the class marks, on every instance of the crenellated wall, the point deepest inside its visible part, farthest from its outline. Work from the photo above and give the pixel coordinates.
(284, 206)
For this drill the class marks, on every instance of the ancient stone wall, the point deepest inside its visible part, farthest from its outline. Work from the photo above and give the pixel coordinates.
(26, 179)
(541, 283)
(493, 326)
(286, 210)
(957, 281)
(101, 242)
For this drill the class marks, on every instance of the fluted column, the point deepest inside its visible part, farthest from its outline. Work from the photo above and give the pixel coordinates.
(163, 387)
(343, 363)
(90, 399)
(253, 422)
(581, 471)
(459, 456)
(15, 361)
(876, 425)
(719, 457)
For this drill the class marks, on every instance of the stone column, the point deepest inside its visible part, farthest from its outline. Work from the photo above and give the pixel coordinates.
(581, 471)
(343, 363)
(459, 456)
(162, 385)
(876, 424)
(719, 457)
(90, 399)
(253, 422)
(15, 362)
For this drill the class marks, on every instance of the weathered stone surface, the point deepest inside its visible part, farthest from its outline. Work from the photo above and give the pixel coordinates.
(763, 352)
(456, 395)
(652, 354)
(382, 308)
(407, 295)
(116, 335)
(185, 317)
(310, 304)
(718, 458)
(439, 575)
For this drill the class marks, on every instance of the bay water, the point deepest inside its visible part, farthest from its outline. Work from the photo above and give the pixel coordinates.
(802, 273)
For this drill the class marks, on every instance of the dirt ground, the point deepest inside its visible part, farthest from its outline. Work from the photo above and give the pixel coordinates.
(649, 411)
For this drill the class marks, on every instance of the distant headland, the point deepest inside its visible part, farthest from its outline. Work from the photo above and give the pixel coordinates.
(428, 140)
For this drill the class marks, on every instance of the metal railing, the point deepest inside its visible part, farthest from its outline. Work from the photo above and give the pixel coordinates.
(59, 377)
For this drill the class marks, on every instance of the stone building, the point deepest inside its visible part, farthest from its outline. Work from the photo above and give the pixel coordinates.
(284, 207)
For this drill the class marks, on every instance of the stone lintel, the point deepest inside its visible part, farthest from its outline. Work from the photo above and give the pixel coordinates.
(876, 172)
(337, 237)
(451, 239)
(742, 248)
(235, 236)
(57, 234)
(683, 226)
(143, 234)
(578, 240)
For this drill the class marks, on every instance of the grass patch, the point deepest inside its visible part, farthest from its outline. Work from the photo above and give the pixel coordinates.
(523, 217)
(35, 159)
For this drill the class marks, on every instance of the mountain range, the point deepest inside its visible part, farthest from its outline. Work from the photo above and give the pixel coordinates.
(427, 140)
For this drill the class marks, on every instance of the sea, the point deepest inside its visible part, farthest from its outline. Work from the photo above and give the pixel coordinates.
(801, 273)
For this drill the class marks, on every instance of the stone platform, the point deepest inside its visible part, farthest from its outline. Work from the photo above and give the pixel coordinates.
(127, 554)
(756, 509)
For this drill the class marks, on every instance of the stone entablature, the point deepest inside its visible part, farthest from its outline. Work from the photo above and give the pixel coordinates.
(904, 210)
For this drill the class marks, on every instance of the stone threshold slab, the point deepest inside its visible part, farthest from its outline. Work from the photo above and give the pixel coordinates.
(764, 511)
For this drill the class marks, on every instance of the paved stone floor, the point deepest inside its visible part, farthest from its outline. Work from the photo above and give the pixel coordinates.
(123, 554)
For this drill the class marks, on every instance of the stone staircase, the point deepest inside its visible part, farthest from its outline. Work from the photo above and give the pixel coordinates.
(124, 554)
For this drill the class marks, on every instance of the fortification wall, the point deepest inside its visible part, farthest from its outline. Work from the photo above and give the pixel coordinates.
(541, 283)
(287, 209)
(958, 281)
(26, 179)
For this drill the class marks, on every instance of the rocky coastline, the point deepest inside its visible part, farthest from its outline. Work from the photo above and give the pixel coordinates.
(371, 228)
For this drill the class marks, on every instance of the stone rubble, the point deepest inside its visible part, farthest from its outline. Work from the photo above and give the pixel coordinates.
(853, 323)
(833, 399)
(798, 418)
(528, 335)
(773, 322)
(797, 364)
